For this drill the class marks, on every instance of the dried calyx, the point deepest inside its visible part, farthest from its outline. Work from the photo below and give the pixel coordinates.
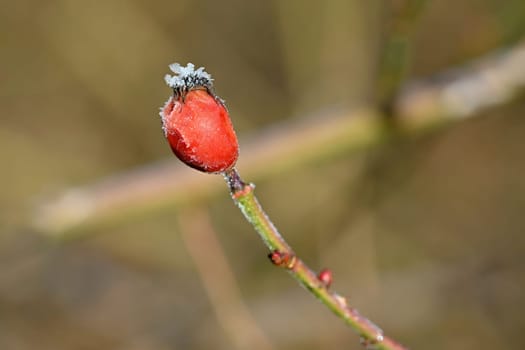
(188, 78)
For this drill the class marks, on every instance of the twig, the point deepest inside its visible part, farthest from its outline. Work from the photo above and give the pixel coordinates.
(281, 254)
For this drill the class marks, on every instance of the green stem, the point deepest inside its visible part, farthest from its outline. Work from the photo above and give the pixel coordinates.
(243, 195)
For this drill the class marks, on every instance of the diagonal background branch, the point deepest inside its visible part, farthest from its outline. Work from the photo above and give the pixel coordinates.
(422, 105)
(216, 274)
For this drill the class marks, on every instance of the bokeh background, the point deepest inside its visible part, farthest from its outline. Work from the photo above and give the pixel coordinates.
(425, 234)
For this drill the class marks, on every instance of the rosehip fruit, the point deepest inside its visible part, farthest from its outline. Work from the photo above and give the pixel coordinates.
(196, 123)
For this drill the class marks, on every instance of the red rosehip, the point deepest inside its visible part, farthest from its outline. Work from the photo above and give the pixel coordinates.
(197, 124)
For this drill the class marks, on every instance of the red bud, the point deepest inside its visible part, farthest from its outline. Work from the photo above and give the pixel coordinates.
(283, 259)
(325, 276)
(276, 257)
(197, 124)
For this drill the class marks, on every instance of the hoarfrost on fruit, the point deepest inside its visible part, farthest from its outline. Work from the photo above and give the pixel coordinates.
(196, 123)
(187, 78)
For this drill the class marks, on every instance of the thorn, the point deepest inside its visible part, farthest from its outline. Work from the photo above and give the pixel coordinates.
(341, 300)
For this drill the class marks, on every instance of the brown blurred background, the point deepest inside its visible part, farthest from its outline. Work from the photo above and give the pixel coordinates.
(424, 234)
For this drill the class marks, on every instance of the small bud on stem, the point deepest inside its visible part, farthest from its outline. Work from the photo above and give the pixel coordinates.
(325, 276)
(283, 259)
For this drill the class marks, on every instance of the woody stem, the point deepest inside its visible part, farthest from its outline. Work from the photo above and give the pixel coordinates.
(243, 195)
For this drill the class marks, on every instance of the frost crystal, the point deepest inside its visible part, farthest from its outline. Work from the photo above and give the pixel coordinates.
(188, 78)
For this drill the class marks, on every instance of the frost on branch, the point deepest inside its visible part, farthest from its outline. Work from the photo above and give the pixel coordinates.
(188, 78)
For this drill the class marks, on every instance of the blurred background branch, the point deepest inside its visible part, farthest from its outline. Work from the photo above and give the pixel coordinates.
(394, 60)
(422, 106)
(206, 252)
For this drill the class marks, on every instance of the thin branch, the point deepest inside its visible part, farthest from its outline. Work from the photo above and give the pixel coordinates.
(202, 244)
(422, 106)
(283, 255)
